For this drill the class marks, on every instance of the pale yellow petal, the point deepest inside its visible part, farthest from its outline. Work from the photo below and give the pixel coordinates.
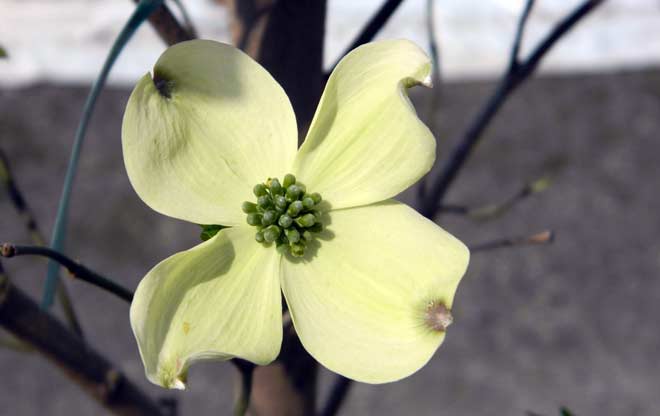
(362, 303)
(366, 143)
(217, 124)
(218, 300)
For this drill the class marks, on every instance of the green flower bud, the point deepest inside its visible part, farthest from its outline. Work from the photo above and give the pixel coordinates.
(297, 249)
(292, 193)
(295, 189)
(289, 180)
(275, 186)
(259, 189)
(249, 207)
(254, 218)
(264, 201)
(295, 208)
(285, 214)
(271, 233)
(280, 202)
(269, 217)
(285, 221)
(306, 220)
(292, 235)
(308, 202)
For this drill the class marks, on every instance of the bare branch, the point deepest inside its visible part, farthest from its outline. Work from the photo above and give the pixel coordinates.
(372, 28)
(76, 269)
(491, 211)
(514, 60)
(542, 238)
(338, 394)
(508, 83)
(169, 29)
(25, 213)
(22, 317)
(246, 371)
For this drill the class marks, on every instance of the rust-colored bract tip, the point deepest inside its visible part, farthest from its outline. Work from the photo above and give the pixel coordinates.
(438, 317)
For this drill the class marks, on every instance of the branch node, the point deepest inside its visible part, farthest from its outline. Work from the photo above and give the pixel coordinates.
(110, 385)
(8, 250)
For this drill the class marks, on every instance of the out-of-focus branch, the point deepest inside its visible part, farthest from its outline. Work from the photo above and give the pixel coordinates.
(492, 211)
(514, 59)
(25, 213)
(246, 371)
(542, 238)
(76, 269)
(512, 79)
(437, 80)
(23, 318)
(168, 28)
(338, 394)
(287, 38)
(372, 28)
(188, 24)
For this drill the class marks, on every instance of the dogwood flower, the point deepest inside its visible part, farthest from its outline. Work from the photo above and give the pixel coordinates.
(209, 137)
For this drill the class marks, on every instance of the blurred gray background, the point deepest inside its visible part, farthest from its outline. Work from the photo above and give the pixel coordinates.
(573, 323)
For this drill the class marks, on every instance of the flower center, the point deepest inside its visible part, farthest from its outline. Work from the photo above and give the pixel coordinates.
(284, 214)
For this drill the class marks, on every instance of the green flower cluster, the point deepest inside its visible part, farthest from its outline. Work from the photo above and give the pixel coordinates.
(285, 214)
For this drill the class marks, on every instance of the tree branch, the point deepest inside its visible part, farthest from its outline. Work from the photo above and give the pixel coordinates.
(168, 28)
(25, 213)
(76, 269)
(337, 396)
(372, 28)
(491, 211)
(22, 317)
(542, 238)
(246, 371)
(514, 59)
(286, 37)
(509, 82)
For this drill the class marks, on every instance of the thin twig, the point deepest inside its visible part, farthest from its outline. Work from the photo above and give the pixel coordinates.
(514, 59)
(437, 79)
(246, 372)
(430, 33)
(17, 199)
(10, 342)
(76, 269)
(168, 28)
(492, 211)
(542, 238)
(508, 83)
(25, 213)
(372, 28)
(338, 394)
(187, 21)
(24, 319)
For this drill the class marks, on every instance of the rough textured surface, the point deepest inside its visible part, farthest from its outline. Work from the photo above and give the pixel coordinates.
(574, 323)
